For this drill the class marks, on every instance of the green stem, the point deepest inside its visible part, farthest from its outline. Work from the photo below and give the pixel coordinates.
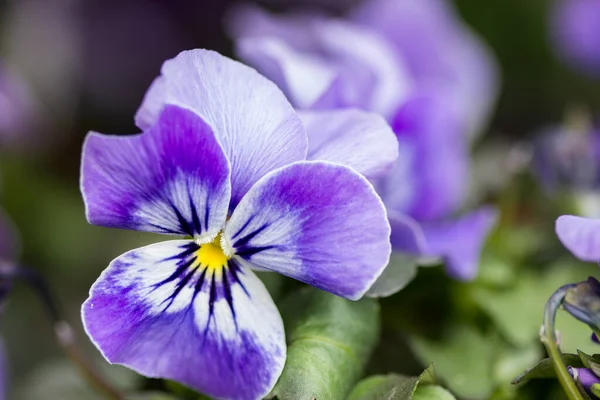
(62, 329)
(548, 338)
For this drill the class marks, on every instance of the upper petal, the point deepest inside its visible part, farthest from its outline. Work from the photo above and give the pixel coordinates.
(581, 236)
(299, 47)
(359, 139)
(304, 78)
(318, 222)
(447, 54)
(251, 118)
(174, 178)
(158, 311)
(460, 241)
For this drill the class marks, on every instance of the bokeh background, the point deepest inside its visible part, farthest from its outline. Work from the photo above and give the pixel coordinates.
(86, 65)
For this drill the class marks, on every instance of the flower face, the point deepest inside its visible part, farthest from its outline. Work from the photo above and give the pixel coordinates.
(222, 160)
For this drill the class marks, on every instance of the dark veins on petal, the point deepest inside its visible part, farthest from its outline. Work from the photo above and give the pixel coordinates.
(218, 282)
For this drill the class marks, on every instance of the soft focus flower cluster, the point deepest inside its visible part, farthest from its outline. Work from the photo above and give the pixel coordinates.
(435, 92)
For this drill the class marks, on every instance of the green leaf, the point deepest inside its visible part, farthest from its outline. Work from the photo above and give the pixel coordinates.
(391, 387)
(518, 311)
(329, 342)
(431, 392)
(510, 361)
(401, 270)
(463, 359)
(545, 370)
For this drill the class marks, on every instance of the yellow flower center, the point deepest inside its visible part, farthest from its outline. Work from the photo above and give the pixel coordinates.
(211, 255)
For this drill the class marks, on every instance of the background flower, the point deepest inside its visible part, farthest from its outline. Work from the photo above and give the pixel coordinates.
(574, 30)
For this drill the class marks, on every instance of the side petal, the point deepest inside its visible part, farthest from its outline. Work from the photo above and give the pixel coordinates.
(460, 241)
(318, 222)
(251, 118)
(159, 312)
(358, 139)
(581, 236)
(172, 179)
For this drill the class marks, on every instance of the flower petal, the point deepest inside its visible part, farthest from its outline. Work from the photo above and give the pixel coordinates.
(460, 241)
(358, 139)
(368, 73)
(447, 55)
(318, 222)
(173, 179)
(581, 236)
(439, 159)
(157, 311)
(407, 234)
(304, 78)
(250, 116)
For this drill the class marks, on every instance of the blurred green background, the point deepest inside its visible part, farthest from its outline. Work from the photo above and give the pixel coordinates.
(89, 64)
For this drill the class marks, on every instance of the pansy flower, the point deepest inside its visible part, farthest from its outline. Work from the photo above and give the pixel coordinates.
(222, 160)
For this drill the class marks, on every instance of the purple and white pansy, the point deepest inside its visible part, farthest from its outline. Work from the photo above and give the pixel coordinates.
(222, 160)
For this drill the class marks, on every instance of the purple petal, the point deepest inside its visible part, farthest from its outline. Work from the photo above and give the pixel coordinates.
(215, 329)
(250, 117)
(173, 179)
(585, 376)
(440, 51)
(575, 29)
(291, 48)
(440, 159)
(304, 78)
(581, 236)
(358, 139)
(460, 241)
(407, 234)
(318, 222)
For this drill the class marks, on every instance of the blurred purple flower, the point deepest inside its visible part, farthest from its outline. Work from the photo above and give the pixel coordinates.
(192, 310)
(321, 62)
(428, 187)
(441, 52)
(17, 110)
(567, 158)
(325, 63)
(575, 32)
(587, 379)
